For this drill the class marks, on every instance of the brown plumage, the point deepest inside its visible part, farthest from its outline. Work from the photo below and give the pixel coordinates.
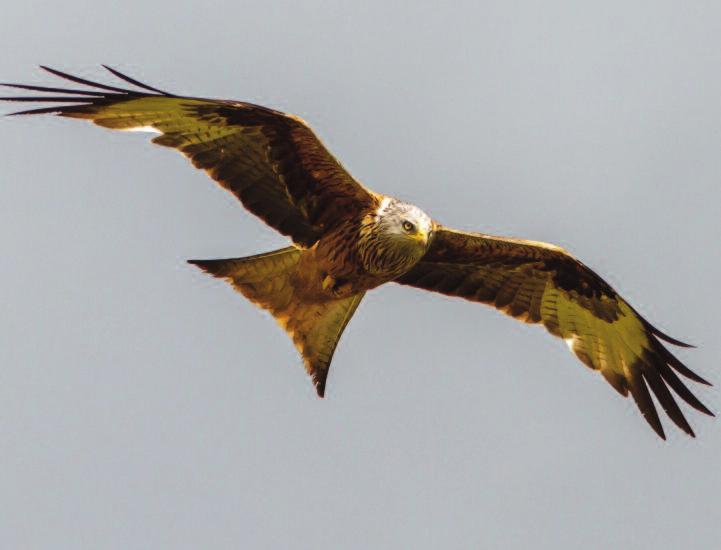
(348, 240)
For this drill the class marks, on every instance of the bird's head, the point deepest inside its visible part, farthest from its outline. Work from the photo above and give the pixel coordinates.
(405, 223)
(395, 237)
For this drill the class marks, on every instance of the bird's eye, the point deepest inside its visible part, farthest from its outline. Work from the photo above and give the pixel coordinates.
(408, 227)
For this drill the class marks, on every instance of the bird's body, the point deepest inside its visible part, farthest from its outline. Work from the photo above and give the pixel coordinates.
(382, 252)
(347, 240)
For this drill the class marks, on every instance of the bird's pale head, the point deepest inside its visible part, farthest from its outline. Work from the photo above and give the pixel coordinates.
(394, 237)
(405, 223)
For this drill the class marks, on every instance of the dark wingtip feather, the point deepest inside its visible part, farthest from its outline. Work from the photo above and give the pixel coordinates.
(676, 364)
(90, 83)
(134, 82)
(643, 400)
(648, 364)
(681, 390)
(49, 99)
(666, 338)
(49, 89)
(662, 335)
(57, 110)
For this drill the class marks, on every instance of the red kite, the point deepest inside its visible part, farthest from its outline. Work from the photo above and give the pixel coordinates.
(347, 239)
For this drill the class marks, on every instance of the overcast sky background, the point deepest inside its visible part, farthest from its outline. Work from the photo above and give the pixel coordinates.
(145, 405)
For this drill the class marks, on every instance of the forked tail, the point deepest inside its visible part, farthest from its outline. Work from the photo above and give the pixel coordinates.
(268, 281)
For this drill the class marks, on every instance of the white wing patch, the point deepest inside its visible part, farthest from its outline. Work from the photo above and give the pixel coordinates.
(150, 129)
(571, 342)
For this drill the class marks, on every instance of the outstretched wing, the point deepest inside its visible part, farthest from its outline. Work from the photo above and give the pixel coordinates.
(541, 283)
(271, 161)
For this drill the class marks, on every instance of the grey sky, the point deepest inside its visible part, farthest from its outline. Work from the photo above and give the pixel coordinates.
(145, 405)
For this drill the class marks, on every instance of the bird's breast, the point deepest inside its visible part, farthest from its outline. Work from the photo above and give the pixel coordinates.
(342, 263)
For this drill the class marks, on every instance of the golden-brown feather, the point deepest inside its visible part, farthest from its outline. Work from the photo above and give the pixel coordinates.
(271, 281)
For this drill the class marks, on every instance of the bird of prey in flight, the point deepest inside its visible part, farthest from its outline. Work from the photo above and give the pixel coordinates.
(347, 240)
